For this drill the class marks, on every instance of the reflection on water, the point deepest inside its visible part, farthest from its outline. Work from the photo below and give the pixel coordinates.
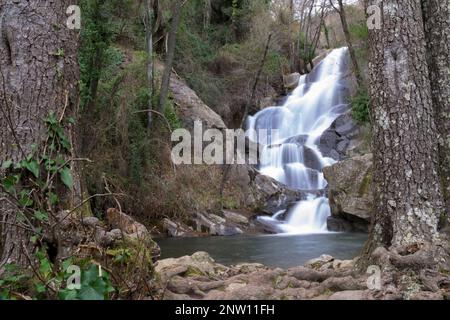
(282, 251)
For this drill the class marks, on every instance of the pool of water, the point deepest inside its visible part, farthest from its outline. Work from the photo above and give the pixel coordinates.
(282, 251)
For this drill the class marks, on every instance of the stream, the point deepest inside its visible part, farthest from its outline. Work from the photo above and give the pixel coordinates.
(283, 251)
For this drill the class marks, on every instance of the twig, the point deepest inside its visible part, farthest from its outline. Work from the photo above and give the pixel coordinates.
(83, 203)
(159, 114)
(31, 263)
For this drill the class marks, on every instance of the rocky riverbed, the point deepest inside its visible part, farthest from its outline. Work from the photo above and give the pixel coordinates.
(199, 277)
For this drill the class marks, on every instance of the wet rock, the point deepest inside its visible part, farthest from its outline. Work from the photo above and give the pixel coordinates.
(215, 225)
(174, 229)
(343, 135)
(235, 217)
(311, 159)
(350, 193)
(339, 225)
(291, 80)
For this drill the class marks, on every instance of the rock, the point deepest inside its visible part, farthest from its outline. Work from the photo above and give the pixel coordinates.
(352, 295)
(107, 239)
(215, 225)
(216, 219)
(311, 159)
(339, 225)
(123, 222)
(291, 80)
(427, 295)
(90, 222)
(133, 233)
(343, 135)
(345, 125)
(272, 196)
(319, 262)
(189, 106)
(351, 197)
(174, 229)
(199, 263)
(235, 217)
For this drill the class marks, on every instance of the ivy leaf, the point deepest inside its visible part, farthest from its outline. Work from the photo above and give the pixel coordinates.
(33, 167)
(25, 200)
(7, 164)
(53, 198)
(89, 293)
(9, 183)
(66, 177)
(68, 295)
(41, 216)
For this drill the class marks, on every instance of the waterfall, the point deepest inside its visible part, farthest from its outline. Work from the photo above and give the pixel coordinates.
(292, 156)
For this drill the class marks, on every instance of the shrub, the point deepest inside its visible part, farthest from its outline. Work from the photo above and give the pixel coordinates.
(361, 106)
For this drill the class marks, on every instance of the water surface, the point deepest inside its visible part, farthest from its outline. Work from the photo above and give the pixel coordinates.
(282, 251)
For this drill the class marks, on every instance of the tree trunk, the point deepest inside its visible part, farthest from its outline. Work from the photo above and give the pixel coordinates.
(290, 41)
(149, 38)
(172, 37)
(348, 40)
(437, 33)
(207, 14)
(38, 71)
(408, 198)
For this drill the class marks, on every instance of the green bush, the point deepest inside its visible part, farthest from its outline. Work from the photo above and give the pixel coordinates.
(361, 106)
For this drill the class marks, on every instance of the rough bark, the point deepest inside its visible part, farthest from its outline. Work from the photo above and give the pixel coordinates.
(408, 198)
(437, 33)
(38, 70)
(172, 38)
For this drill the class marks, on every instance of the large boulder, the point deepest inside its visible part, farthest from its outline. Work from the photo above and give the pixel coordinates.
(291, 80)
(271, 196)
(189, 106)
(350, 193)
(342, 136)
(215, 225)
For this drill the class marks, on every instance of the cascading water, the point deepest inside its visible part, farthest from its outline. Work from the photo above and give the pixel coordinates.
(292, 156)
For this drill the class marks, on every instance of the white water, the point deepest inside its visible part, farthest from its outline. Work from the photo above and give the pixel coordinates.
(292, 156)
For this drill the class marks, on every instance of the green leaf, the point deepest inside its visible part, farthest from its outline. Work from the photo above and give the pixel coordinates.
(33, 239)
(9, 183)
(41, 215)
(90, 294)
(33, 167)
(7, 164)
(40, 288)
(25, 200)
(66, 177)
(53, 198)
(68, 294)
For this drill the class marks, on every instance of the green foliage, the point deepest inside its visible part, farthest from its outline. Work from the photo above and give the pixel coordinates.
(13, 280)
(103, 22)
(361, 106)
(359, 31)
(93, 286)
